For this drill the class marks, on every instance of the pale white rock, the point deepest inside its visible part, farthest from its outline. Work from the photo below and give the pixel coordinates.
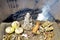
(27, 22)
(25, 35)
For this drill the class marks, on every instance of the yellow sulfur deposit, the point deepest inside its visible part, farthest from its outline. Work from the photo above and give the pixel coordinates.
(49, 29)
(15, 24)
(46, 24)
(9, 30)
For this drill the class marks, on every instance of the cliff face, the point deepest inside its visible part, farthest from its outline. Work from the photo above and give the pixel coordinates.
(5, 10)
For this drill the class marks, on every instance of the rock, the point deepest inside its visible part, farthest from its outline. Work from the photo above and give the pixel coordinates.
(9, 30)
(18, 30)
(15, 24)
(27, 22)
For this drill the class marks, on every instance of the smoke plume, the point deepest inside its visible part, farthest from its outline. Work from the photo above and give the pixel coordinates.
(45, 9)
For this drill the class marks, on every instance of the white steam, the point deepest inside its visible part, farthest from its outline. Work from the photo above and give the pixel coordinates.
(45, 9)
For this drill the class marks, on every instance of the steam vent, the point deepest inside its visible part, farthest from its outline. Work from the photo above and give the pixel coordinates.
(29, 19)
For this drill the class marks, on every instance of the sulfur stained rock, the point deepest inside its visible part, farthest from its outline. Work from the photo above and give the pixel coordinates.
(46, 24)
(48, 35)
(9, 30)
(18, 37)
(49, 28)
(15, 24)
(41, 29)
(4, 37)
(12, 37)
(38, 32)
(18, 30)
